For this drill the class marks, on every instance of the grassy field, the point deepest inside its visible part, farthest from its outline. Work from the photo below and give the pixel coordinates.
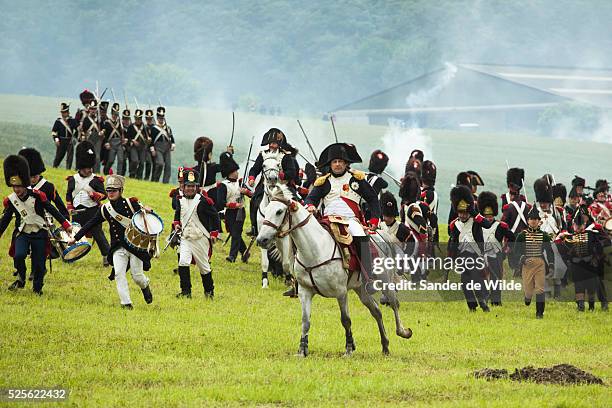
(239, 349)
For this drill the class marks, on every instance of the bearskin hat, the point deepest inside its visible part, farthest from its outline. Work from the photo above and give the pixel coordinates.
(602, 184)
(85, 155)
(388, 204)
(410, 188)
(417, 154)
(429, 172)
(515, 177)
(378, 161)
(487, 203)
(543, 191)
(461, 198)
(202, 147)
(573, 193)
(16, 171)
(559, 192)
(311, 174)
(475, 178)
(344, 151)
(86, 97)
(464, 179)
(227, 164)
(600, 189)
(414, 165)
(35, 161)
(578, 181)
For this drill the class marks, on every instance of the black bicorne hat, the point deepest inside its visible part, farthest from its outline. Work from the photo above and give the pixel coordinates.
(227, 164)
(475, 178)
(343, 151)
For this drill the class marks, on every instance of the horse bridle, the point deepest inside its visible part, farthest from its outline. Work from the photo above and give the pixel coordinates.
(277, 169)
(280, 233)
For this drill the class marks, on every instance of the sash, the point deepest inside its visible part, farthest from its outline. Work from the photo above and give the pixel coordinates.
(520, 215)
(121, 219)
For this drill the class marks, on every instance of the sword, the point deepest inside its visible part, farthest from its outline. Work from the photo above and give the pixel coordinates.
(307, 142)
(331, 118)
(233, 126)
(399, 184)
(248, 161)
(304, 157)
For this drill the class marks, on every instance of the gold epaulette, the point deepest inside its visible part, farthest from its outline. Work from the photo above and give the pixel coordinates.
(359, 175)
(321, 180)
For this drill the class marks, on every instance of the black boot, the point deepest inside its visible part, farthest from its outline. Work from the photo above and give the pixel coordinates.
(540, 304)
(18, 284)
(591, 305)
(527, 302)
(230, 259)
(580, 304)
(245, 256)
(557, 293)
(209, 285)
(185, 278)
(365, 257)
(127, 306)
(146, 293)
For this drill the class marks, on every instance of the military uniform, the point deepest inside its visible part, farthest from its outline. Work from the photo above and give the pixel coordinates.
(90, 131)
(84, 195)
(531, 250)
(149, 123)
(514, 205)
(466, 240)
(340, 195)
(162, 145)
(495, 237)
(202, 153)
(30, 235)
(118, 213)
(198, 220)
(64, 132)
(229, 201)
(463, 179)
(126, 122)
(137, 140)
(378, 163)
(114, 141)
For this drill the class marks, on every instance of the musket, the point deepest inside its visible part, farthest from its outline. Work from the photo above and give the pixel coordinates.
(126, 100)
(172, 238)
(113, 94)
(136, 101)
(399, 184)
(331, 118)
(246, 174)
(233, 126)
(304, 157)
(307, 142)
(103, 93)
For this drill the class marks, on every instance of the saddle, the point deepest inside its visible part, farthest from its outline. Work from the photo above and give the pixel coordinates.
(337, 227)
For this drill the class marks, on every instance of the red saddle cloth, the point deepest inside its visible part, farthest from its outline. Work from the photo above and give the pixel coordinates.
(354, 263)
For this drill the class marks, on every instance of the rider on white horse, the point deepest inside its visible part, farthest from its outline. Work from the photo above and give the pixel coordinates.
(340, 192)
(283, 152)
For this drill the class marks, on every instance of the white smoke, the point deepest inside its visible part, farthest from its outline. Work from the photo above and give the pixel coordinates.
(422, 98)
(399, 141)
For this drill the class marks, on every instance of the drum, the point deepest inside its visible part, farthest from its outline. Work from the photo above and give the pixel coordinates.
(70, 253)
(143, 232)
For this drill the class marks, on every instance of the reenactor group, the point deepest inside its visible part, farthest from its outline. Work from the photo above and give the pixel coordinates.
(140, 148)
(557, 238)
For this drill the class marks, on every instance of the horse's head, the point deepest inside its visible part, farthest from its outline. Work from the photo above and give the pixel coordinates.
(276, 215)
(271, 170)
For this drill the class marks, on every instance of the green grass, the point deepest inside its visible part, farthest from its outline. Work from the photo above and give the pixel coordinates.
(239, 349)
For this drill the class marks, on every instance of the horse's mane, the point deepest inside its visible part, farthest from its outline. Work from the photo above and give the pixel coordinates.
(281, 191)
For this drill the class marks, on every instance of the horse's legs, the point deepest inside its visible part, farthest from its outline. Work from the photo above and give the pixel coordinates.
(264, 269)
(346, 322)
(305, 295)
(372, 306)
(395, 305)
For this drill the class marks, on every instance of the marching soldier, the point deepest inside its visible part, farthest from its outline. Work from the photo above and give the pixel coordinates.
(162, 145)
(552, 223)
(514, 205)
(463, 179)
(580, 184)
(229, 201)
(137, 139)
(118, 212)
(430, 197)
(340, 192)
(85, 193)
(531, 250)
(101, 122)
(39, 183)
(277, 147)
(126, 121)
(149, 123)
(584, 254)
(572, 205)
(30, 234)
(89, 130)
(197, 219)
(496, 238)
(466, 240)
(601, 208)
(64, 134)
(475, 181)
(114, 141)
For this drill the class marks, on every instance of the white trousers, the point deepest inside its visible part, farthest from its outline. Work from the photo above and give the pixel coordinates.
(121, 259)
(197, 250)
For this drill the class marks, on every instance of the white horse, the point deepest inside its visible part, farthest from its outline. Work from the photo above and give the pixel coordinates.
(282, 248)
(318, 267)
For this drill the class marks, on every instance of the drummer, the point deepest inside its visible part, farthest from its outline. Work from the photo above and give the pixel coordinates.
(118, 212)
(85, 193)
(197, 218)
(30, 234)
